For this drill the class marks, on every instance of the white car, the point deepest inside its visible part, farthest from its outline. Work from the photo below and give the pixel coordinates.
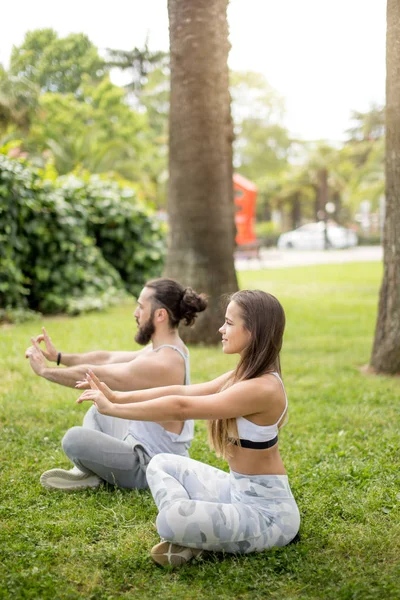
(312, 237)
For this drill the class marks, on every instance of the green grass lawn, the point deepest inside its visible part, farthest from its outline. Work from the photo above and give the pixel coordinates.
(340, 448)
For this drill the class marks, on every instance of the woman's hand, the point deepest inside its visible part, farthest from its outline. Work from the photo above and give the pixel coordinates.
(96, 395)
(99, 400)
(100, 385)
(50, 351)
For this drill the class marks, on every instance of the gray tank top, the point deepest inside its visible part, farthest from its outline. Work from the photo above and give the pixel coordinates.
(185, 360)
(153, 437)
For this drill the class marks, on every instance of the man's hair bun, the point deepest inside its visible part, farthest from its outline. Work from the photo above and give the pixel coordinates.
(181, 303)
(191, 304)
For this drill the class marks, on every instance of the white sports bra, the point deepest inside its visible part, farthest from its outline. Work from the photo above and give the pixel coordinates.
(256, 436)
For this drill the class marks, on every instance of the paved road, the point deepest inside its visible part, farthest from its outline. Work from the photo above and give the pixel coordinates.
(277, 259)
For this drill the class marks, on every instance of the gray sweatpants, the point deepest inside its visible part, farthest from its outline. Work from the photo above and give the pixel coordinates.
(103, 446)
(203, 507)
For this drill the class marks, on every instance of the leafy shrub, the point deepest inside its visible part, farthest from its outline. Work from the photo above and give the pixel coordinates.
(372, 239)
(267, 233)
(49, 257)
(125, 230)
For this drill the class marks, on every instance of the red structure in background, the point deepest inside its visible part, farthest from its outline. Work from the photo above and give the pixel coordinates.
(245, 194)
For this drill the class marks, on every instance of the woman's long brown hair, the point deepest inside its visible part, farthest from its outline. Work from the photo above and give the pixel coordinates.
(264, 318)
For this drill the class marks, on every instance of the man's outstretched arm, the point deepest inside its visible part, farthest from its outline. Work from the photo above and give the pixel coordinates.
(152, 369)
(96, 357)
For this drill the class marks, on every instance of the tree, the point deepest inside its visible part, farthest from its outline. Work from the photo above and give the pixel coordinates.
(83, 121)
(56, 64)
(294, 192)
(366, 177)
(362, 159)
(200, 198)
(140, 62)
(369, 125)
(261, 142)
(101, 134)
(386, 348)
(154, 97)
(320, 165)
(148, 91)
(18, 100)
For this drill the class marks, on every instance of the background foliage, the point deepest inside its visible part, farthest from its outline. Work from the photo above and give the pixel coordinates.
(61, 113)
(71, 245)
(57, 99)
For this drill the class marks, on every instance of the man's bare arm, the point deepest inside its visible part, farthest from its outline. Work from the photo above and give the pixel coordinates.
(149, 370)
(97, 357)
(119, 376)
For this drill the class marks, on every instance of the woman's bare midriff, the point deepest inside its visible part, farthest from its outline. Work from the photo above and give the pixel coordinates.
(256, 462)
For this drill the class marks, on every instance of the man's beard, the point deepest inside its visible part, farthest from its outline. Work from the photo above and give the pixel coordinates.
(146, 331)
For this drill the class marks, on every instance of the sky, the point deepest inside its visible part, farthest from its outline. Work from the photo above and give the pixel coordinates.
(324, 57)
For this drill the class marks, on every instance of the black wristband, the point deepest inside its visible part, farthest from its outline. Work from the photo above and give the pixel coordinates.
(58, 358)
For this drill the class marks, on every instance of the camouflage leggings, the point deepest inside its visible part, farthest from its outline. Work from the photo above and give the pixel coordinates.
(203, 507)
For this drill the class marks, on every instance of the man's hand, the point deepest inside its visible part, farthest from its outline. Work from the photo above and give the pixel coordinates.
(100, 385)
(50, 351)
(96, 395)
(36, 358)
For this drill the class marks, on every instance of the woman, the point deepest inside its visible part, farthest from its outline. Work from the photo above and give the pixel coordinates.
(251, 508)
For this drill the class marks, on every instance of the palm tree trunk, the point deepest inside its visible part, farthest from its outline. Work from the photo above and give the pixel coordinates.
(386, 349)
(296, 210)
(322, 194)
(200, 195)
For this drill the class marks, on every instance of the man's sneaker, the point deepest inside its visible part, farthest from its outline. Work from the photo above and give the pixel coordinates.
(68, 481)
(166, 553)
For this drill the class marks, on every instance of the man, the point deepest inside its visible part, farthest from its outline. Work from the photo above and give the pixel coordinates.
(117, 450)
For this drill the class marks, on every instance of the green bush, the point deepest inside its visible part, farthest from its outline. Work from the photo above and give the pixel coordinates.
(267, 233)
(71, 246)
(129, 236)
(372, 239)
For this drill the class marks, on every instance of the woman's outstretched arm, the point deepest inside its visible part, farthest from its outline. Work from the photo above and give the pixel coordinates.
(198, 389)
(244, 398)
